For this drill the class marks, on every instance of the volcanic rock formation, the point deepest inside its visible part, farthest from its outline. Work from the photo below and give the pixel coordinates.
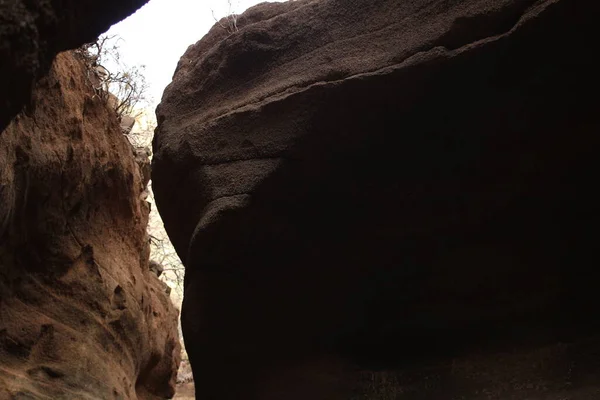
(389, 185)
(81, 314)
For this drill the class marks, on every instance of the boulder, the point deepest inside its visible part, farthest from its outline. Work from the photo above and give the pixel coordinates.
(81, 314)
(386, 185)
(127, 123)
(33, 32)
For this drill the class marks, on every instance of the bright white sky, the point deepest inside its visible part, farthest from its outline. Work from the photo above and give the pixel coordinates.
(158, 34)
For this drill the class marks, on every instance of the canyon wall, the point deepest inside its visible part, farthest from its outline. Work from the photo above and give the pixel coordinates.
(81, 314)
(396, 186)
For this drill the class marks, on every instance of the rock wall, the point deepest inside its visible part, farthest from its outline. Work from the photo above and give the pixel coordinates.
(33, 32)
(387, 184)
(81, 315)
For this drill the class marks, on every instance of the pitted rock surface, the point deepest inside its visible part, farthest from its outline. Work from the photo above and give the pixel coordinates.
(81, 314)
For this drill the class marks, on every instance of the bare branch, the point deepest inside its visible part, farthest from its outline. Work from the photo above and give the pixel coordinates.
(128, 85)
(231, 18)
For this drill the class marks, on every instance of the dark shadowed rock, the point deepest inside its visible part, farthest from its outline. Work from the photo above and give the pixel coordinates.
(81, 314)
(388, 184)
(33, 32)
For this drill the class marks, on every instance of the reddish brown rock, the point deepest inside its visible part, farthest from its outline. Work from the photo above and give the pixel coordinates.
(397, 184)
(33, 32)
(81, 314)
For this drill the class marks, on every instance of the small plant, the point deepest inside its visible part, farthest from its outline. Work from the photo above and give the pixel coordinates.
(124, 88)
(230, 24)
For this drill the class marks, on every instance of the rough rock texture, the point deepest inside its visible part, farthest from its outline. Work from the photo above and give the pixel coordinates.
(389, 184)
(81, 315)
(33, 32)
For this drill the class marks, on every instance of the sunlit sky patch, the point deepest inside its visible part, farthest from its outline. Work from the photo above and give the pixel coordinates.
(158, 34)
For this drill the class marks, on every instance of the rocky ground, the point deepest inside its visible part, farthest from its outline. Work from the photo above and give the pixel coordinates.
(185, 391)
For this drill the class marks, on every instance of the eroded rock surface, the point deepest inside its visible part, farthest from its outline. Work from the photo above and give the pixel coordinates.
(81, 314)
(33, 32)
(387, 184)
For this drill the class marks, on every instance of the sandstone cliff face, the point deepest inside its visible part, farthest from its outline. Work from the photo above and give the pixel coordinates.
(81, 315)
(33, 32)
(393, 183)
